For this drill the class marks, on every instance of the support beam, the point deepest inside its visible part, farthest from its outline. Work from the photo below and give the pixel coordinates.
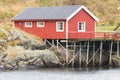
(110, 58)
(118, 49)
(87, 58)
(80, 55)
(49, 43)
(74, 54)
(57, 44)
(67, 56)
(93, 53)
(44, 41)
(53, 42)
(101, 47)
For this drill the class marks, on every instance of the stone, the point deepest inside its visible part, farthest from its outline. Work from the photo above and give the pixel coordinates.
(22, 64)
(39, 62)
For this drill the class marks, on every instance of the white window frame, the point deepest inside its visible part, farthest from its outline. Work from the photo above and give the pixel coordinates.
(28, 25)
(57, 26)
(40, 25)
(83, 28)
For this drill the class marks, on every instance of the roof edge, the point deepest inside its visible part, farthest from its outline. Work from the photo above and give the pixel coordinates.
(88, 11)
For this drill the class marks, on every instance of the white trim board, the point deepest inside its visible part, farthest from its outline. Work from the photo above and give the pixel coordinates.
(88, 11)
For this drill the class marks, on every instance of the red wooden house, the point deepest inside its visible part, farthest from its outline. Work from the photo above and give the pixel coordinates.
(62, 22)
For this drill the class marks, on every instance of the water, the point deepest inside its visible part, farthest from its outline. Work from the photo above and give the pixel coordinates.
(61, 74)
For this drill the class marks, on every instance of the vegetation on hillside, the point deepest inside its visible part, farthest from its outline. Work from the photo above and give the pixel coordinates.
(105, 10)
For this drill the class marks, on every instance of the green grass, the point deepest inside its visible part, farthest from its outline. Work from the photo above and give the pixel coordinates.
(105, 28)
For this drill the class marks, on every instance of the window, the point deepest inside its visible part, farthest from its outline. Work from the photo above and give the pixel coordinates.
(81, 26)
(40, 24)
(28, 24)
(59, 26)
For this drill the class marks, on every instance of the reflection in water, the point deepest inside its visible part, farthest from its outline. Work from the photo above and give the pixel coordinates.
(62, 74)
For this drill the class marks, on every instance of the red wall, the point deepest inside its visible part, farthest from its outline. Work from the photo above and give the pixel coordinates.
(49, 31)
(81, 16)
(46, 32)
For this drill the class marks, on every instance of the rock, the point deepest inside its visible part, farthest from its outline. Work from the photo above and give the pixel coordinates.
(0, 49)
(38, 47)
(50, 59)
(39, 62)
(8, 67)
(22, 64)
(19, 57)
(115, 61)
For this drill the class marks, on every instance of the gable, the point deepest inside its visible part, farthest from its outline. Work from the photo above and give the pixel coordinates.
(88, 11)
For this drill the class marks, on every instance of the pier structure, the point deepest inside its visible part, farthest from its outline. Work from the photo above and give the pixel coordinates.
(88, 51)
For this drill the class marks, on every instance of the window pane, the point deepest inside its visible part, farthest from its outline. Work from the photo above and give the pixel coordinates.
(40, 24)
(81, 26)
(60, 26)
(28, 24)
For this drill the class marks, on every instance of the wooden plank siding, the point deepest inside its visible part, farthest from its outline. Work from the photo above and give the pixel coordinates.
(46, 32)
(81, 16)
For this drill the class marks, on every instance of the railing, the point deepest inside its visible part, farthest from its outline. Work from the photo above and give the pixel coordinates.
(107, 35)
(94, 35)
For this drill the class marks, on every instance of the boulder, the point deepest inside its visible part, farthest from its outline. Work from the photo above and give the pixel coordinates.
(38, 62)
(115, 61)
(23, 64)
(18, 57)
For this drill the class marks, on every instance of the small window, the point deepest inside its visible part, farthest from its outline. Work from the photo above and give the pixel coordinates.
(59, 26)
(40, 24)
(28, 24)
(81, 26)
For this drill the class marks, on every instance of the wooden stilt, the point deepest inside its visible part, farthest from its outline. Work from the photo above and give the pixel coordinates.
(101, 47)
(73, 54)
(93, 53)
(49, 43)
(67, 56)
(87, 58)
(44, 41)
(57, 44)
(53, 42)
(110, 58)
(118, 48)
(80, 55)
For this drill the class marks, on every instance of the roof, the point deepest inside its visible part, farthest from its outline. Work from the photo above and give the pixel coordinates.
(51, 13)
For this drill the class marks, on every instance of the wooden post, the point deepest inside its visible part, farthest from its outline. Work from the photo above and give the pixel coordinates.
(57, 44)
(80, 55)
(93, 53)
(73, 54)
(44, 41)
(111, 47)
(118, 48)
(100, 60)
(53, 42)
(87, 58)
(67, 56)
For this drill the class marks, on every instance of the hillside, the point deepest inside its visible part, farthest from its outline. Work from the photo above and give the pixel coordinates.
(105, 10)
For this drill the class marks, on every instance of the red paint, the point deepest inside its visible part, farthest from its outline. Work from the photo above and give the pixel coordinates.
(49, 30)
(81, 16)
(46, 32)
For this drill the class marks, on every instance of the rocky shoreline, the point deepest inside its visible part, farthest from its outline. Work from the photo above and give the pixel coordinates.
(19, 58)
(18, 50)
